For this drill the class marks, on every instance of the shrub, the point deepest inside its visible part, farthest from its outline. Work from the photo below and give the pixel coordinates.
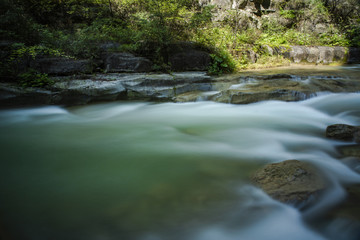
(222, 62)
(32, 78)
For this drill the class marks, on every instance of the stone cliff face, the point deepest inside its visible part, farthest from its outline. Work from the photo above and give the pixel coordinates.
(254, 13)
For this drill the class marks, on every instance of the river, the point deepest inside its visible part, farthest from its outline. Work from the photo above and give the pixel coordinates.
(168, 171)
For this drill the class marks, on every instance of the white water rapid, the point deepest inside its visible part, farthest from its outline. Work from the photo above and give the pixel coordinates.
(168, 171)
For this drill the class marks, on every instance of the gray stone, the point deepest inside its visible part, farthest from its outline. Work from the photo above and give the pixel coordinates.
(298, 54)
(61, 66)
(284, 51)
(245, 97)
(317, 54)
(350, 150)
(268, 49)
(313, 55)
(190, 60)
(126, 62)
(252, 55)
(292, 181)
(354, 55)
(12, 95)
(343, 132)
(340, 54)
(135, 86)
(326, 55)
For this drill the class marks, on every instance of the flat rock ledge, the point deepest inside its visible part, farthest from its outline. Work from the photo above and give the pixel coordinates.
(86, 89)
(175, 87)
(292, 182)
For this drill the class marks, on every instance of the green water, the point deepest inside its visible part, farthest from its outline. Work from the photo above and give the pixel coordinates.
(165, 171)
(72, 179)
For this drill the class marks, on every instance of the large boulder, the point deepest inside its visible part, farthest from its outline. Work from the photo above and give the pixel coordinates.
(188, 57)
(61, 66)
(126, 62)
(292, 181)
(354, 55)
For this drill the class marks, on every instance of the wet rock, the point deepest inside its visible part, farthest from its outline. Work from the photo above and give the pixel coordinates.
(352, 162)
(343, 132)
(194, 96)
(126, 62)
(136, 86)
(61, 66)
(15, 96)
(350, 150)
(75, 90)
(343, 221)
(350, 208)
(292, 181)
(245, 97)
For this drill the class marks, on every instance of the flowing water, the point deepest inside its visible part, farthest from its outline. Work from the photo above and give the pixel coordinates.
(168, 171)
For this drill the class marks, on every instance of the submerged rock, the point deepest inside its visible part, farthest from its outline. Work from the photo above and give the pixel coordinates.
(350, 150)
(343, 132)
(292, 181)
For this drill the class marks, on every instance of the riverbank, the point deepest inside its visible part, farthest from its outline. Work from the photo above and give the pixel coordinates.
(291, 83)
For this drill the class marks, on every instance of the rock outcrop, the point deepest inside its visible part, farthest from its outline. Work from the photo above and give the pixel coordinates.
(187, 56)
(190, 60)
(354, 55)
(125, 62)
(107, 87)
(313, 54)
(292, 181)
(178, 87)
(284, 87)
(61, 66)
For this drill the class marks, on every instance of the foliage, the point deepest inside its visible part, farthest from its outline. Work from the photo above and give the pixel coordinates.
(343, 12)
(22, 51)
(353, 33)
(289, 14)
(149, 28)
(221, 63)
(15, 25)
(32, 78)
